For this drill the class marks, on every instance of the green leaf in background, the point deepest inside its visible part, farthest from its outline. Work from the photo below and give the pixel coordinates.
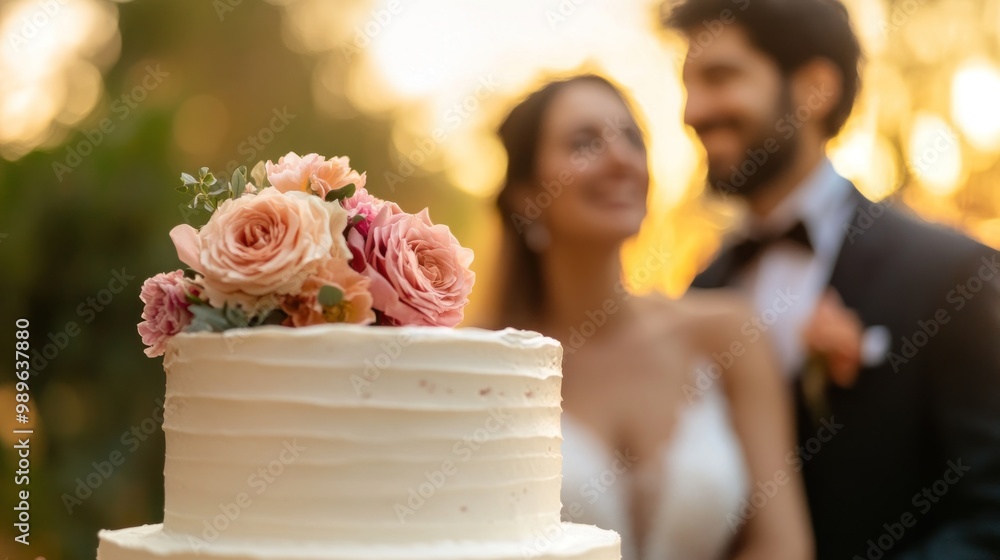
(330, 296)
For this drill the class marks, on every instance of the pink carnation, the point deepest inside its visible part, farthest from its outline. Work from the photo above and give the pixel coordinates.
(419, 272)
(166, 310)
(367, 206)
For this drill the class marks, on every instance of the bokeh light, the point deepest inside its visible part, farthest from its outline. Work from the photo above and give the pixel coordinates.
(51, 57)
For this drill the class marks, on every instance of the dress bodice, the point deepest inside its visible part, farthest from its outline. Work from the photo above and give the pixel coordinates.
(704, 481)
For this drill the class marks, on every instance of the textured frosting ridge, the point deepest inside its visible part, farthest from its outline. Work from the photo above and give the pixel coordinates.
(342, 441)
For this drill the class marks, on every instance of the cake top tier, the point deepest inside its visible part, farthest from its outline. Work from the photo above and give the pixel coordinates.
(350, 345)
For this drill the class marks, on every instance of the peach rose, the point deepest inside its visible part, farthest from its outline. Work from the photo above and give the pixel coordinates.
(333, 174)
(419, 273)
(292, 173)
(303, 308)
(258, 246)
(312, 173)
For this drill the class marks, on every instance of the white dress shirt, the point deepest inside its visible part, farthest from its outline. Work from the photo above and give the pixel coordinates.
(787, 280)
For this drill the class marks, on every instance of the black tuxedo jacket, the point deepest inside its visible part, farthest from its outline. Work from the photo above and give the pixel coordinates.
(907, 465)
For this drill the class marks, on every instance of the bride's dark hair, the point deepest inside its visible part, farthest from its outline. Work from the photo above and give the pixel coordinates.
(521, 295)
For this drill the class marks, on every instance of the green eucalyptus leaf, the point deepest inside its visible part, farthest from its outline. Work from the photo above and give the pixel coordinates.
(187, 179)
(239, 181)
(347, 191)
(259, 174)
(235, 316)
(208, 319)
(330, 296)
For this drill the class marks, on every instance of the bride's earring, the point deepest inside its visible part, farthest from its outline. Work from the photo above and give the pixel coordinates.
(537, 237)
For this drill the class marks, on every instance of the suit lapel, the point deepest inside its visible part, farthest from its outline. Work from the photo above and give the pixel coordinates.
(858, 259)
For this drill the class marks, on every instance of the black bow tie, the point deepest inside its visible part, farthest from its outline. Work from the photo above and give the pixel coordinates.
(748, 250)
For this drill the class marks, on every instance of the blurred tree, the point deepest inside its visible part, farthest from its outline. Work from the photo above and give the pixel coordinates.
(79, 226)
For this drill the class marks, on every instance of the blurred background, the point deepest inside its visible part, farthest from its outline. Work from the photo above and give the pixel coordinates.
(103, 104)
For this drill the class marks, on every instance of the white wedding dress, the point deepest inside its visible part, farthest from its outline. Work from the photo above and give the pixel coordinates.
(704, 482)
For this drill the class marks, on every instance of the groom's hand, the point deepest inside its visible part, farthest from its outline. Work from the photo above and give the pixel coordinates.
(835, 333)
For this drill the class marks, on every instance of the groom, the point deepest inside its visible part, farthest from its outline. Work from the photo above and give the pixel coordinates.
(892, 343)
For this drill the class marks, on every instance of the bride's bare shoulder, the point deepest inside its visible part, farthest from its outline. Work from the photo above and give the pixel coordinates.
(711, 315)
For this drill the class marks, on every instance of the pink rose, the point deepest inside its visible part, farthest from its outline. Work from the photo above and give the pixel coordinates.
(258, 246)
(303, 308)
(292, 173)
(166, 309)
(419, 273)
(333, 174)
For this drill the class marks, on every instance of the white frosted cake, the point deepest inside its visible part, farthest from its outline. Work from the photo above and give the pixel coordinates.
(351, 442)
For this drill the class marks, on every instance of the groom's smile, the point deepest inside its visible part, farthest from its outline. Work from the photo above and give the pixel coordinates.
(735, 95)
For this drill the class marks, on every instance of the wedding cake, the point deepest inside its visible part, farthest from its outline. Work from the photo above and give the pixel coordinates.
(320, 404)
(359, 442)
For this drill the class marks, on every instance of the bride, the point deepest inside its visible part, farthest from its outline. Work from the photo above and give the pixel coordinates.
(677, 429)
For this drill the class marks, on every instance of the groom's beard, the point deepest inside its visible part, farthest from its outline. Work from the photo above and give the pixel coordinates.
(772, 150)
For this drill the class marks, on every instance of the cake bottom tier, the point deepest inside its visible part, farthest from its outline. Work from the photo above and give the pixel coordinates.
(565, 541)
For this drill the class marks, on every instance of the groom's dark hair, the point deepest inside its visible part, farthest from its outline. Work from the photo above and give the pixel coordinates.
(791, 32)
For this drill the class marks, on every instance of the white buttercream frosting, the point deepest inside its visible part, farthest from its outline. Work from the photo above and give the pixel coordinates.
(416, 438)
